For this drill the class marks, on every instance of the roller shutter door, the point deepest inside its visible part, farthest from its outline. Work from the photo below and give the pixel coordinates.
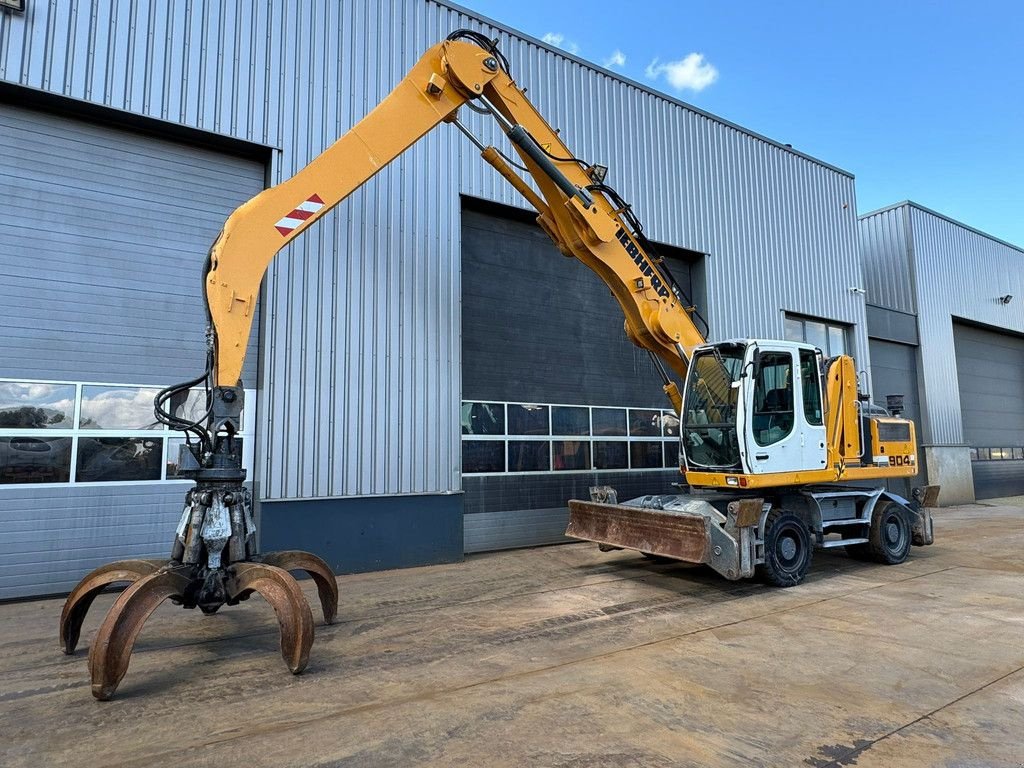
(103, 233)
(990, 373)
(542, 330)
(894, 372)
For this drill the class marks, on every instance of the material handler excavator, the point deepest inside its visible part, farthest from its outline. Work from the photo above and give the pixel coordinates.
(768, 428)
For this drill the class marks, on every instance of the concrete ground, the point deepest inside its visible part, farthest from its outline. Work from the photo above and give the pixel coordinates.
(564, 656)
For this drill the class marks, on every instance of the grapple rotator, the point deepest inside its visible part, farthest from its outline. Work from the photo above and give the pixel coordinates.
(213, 562)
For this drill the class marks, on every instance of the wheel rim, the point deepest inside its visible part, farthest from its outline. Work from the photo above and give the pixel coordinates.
(788, 548)
(894, 533)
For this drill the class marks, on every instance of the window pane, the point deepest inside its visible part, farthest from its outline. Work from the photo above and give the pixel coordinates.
(836, 341)
(483, 419)
(35, 459)
(1018, 453)
(529, 456)
(672, 454)
(569, 421)
(483, 456)
(645, 455)
(107, 459)
(118, 408)
(794, 329)
(773, 398)
(37, 406)
(570, 454)
(669, 423)
(611, 454)
(644, 423)
(974, 454)
(811, 387)
(609, 421)
(528, 420)
(815, 334)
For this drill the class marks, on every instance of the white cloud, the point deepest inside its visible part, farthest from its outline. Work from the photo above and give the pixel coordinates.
(558, 40)
(617, 59)
(692, 72)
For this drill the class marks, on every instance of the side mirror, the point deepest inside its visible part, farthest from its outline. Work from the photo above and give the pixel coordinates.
(755, 361)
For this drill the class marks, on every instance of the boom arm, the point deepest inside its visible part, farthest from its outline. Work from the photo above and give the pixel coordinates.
(585, 220)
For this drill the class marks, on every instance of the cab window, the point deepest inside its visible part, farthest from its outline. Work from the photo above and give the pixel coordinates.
(811, 382)
(773, 398)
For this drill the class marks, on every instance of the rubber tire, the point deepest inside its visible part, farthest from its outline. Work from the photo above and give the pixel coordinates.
(858, 551)
(888, 521)
(778, 570)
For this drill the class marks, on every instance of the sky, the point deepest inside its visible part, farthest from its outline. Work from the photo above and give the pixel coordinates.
(919, 100)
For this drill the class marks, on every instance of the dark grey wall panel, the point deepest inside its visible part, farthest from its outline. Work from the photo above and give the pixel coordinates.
(894, 372)
(367, 534)
(103, 234)
(891, 325)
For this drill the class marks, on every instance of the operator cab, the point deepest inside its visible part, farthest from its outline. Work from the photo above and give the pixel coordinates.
(754, 407)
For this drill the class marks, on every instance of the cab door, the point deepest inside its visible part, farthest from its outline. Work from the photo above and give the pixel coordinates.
(785, 431)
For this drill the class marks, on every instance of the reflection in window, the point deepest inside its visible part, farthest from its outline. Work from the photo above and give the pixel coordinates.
(611, 454)
(483, 419)
(529, 456)
(30, 459)
(645, 455)
(569, 420)
(672, 454)
(37, 406)
(811, 387)
(773, 398)
(570, 454)
(836, 341)
(483, 456)
(528, 420)
(609, 421)
(118, 408)
(669, 423)
(111, 459)
(644, 423)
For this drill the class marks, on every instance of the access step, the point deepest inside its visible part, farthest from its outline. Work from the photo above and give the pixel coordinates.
(842, 543)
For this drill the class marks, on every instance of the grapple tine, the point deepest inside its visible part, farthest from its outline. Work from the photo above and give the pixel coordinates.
(282, 591)
(112, 649)
(320, 571)
(80, 600)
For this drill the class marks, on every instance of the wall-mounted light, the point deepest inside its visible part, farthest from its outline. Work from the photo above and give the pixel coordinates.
(1006, 299)
(855, 289)
(18, 6)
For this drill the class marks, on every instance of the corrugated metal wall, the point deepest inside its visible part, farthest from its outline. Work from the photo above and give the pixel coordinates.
(361, 361)
(886, 259)
(916, 260)
(960, 273)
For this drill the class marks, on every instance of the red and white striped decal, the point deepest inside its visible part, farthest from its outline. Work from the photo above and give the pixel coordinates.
(302, 211)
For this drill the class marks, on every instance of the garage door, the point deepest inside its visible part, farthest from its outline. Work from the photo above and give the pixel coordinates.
(894, 372)
(555, 398)
(103, 234)
(990, 373)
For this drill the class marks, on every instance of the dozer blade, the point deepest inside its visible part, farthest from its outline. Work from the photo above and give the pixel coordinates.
(652, 531)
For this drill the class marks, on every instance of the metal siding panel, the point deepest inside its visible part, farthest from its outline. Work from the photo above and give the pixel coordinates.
(52, 536)
(362, 332)
(943, 252)
(884, 254)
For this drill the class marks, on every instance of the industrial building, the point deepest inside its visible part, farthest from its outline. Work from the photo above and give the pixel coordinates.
(946, 324)
(429, 376)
